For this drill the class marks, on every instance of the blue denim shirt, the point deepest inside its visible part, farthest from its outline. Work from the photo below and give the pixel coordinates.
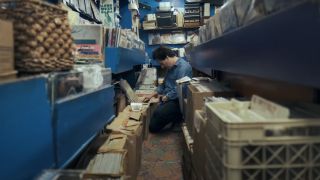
(178, 71)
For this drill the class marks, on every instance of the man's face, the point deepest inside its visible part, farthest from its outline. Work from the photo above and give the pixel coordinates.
(165, 63)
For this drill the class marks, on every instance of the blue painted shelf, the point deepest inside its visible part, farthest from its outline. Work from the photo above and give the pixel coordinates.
(26, 134)
(121, 59)
(77, 120)
(283, 46)
(37, 136)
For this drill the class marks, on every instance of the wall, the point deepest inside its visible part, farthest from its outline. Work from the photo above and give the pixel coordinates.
(126, 19)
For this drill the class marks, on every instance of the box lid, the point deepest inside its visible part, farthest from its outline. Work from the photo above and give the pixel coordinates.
(114, 142)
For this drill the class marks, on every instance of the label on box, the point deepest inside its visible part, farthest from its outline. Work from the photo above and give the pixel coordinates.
(88, 51)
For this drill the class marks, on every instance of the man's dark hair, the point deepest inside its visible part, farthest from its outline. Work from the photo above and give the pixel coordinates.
(162, 52)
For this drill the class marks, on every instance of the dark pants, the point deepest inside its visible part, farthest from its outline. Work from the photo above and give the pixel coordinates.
(166, 112)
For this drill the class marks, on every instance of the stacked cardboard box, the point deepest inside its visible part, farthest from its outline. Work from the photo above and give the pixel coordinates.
(199, 144)
(6, 51)
(196, 123)
(142, 116)
(196, 92)
(133, 129)
(113, 150)
(123, 146)
(187, 166)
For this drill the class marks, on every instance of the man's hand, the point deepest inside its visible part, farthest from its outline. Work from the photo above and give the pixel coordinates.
(148, 97)
(164, 98)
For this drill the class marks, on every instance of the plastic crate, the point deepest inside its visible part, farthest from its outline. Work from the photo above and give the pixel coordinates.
(251, 144)
(272, 159)
(247, 121)
(304, 173)
(272, 154)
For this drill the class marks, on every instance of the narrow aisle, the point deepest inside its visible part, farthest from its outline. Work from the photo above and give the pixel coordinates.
(161, 157)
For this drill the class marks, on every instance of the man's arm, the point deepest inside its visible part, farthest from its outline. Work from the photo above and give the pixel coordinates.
(184, 71)
(160, 89)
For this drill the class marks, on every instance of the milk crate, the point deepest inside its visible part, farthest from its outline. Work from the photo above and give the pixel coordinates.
(243, 141)
(298, 173)
(260, 119)
(279, 158)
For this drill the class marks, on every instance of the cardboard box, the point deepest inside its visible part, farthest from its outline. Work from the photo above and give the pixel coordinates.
(187, 166)
(116, 143)
(6, 46)
(133, 129)
(185, 103)
(142, 116)
(113, 145)
(121, 102)
(211, 170)
(7, 76)
(101, 168)
(146, 121)
(198, 157)
(195, 95)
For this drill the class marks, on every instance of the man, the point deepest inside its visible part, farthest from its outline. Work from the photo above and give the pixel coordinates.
(168, 111)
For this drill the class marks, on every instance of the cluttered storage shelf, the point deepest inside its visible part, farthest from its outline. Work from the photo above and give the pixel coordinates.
(282, 46)
(123, 59)
(172, 28)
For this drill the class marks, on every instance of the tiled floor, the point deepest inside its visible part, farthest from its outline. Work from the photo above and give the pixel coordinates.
(161, 158)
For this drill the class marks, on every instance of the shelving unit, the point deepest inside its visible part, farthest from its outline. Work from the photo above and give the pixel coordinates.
(122, 59)
(26, 133)
(278, 47)
(38, 134)
(77, 120)
(175, 28)
(48, 136)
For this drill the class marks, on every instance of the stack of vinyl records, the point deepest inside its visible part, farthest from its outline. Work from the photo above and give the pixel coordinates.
(192, 17)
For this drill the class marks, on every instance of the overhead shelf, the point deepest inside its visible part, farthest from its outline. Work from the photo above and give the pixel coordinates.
(123, 59)
(283, 46)
(172, 28)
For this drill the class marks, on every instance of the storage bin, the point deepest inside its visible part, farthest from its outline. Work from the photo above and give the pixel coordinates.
(42, 35)
(258, 140)
(246, 121)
